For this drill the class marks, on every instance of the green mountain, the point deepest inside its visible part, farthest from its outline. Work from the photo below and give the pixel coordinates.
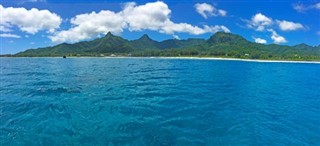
(175, 43)
(145, 42)
(109, 43)
(231, 45)
(218, 45)
(226, 38)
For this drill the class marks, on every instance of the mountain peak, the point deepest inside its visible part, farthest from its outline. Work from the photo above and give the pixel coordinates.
(145, 37)
(303, 45)
(223, 37)
(109, 34)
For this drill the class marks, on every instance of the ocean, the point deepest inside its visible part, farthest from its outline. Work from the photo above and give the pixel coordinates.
(157, 101)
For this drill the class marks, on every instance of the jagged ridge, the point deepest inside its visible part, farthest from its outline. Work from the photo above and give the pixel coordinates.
(219, 44)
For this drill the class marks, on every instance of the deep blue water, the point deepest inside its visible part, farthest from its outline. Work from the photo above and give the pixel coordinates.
(135, 101)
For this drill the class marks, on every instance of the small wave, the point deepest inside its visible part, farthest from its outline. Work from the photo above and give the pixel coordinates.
(147, 70)
(111, 98)
(137, 84)
(155, 78)
(57, 110)
(54, 91)
(130, 126)
(137, 111)
(29, 74)
(42, 83)
(152, 95)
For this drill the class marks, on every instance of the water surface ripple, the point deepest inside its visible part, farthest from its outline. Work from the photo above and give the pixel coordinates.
(141, 101)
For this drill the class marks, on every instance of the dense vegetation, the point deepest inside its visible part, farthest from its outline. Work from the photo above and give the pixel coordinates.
(219, 45)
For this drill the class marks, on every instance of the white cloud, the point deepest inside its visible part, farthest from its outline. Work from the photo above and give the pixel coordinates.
(156, 16)
(4, 28)
(299, 7)
(30, 21)
(216, 28)
(289, 26)
(317, 6)
(207, 10)
(90, 25)
(29, 1)
(260, 40)
(176, 37)
(9, 35)
(150, 16)
(259, 22)
(171, 28)
(277, 39)
(222, 12)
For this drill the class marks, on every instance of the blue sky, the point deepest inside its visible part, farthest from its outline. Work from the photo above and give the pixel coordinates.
(29, 24)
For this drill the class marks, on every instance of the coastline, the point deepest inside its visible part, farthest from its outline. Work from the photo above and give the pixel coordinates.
(239, 59)
(217, 58)
(192, 58)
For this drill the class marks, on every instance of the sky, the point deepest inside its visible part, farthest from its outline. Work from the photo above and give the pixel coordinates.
(27, 24)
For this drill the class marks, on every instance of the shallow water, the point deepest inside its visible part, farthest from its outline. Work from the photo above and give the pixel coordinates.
(143, 101)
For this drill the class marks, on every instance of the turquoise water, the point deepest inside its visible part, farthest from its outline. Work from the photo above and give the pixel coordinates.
(135, 101)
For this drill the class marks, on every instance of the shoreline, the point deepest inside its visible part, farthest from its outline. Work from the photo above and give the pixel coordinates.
(245, 60)
(192, 58)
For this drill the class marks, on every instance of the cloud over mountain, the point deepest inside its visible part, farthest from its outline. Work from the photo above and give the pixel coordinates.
(259, 22)
(150, 16)
(277, 39)
(260, 40)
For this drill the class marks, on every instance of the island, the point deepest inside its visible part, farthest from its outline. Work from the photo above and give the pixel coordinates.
(220, 44)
